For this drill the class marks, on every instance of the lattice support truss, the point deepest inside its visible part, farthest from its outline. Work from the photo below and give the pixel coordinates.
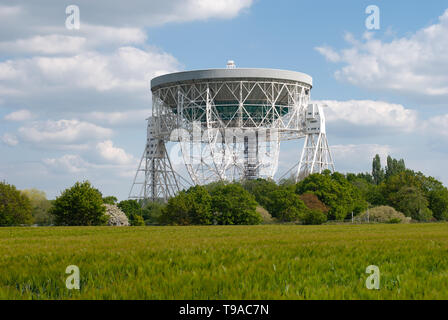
(240, 125)
(316, 155)
(155, 178)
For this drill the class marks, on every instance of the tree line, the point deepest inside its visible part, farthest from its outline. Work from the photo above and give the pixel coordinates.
(392, 194)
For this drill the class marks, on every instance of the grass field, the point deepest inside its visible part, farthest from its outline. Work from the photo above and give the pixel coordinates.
(235, 262)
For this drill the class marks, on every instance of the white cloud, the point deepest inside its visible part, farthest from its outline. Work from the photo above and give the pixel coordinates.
(62, 132)
(415, 65)
(70, 163)
(127, 68)
(371, 113)
(128, 117)
(49, 44)
(20, 115)
(9, 139)
(356, 158)
(436, 126)
(113, 154)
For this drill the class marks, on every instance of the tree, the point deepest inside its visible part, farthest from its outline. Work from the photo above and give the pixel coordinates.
(152, 212)
(80, 205)
(191, 207)
(40, 207)
(438, 203)
(377, 171)
(412, 202)
(394, 167)
(232, 204)
(132, 210)
(110, 200)
(285, 205)
(335, 192)
(312, 202)
(261, 189)
(314, 217)
(15, 207)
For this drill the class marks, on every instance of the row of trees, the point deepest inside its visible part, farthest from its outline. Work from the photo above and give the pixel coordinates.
(314, 200)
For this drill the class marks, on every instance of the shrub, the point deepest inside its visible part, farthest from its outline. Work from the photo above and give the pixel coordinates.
(383, 214)
(40, 207)
(116, 217)
(314, 217)
(286, 205)
(312, 202)
(188, 207)
(232, 204)
(15, 207)
(265, 215)
(80, 205)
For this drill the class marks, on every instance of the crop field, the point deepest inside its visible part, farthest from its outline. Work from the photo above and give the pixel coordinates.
(226, 262)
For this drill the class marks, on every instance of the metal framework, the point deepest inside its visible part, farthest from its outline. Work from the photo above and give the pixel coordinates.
(229, 124)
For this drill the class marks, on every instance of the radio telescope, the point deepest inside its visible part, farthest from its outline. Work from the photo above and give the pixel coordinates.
(228, 125)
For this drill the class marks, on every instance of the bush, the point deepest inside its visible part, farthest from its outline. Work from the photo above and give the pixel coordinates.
(314, 217)
(15, 207)
(286, 206)
(116, 217)
(192, 207)
(40, 207)
(81, 205)
(133, 210)
(383, 214)
(232, 204)
(312, 202)
(265, 215)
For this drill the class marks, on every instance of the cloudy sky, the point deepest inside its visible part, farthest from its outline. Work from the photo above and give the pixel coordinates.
(73, 103)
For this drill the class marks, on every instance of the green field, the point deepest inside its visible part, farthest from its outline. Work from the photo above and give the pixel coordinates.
(226, 262)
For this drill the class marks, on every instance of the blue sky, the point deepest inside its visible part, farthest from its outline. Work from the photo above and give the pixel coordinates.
(73, 102)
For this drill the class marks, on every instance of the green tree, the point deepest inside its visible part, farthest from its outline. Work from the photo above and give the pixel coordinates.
(286, 206)
(412, 202)
(232, 204)
(377, 171)
(438, 203)
(133, 210)
(335, 191)
(110, 200)
(152, 212)
(261, 189)
(394, 167)
(191, 207)
(40, 207)
(314, 217)
(15, 207)
(80, 205)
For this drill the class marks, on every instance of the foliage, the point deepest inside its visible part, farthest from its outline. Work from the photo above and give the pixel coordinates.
(192, 207)
(383, 214)
(40, 207)
(394, 167)
(314, 217)
(261, 189)
(116, 217)
(152, 212)
(80, 205)
(312, 202)
(286, 206)
(15, 207)
(412, 202)
(133, 210)
(438, 203)
(265, 215)
(110, 200)
(335, 191)
(377, 172)
(232, 204)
